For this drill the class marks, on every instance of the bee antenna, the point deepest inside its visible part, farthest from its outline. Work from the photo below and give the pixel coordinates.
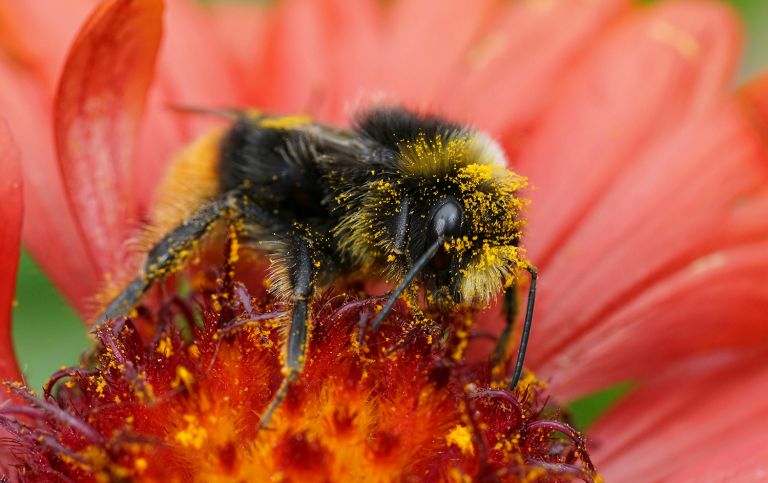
(228, 114)
(406, 281)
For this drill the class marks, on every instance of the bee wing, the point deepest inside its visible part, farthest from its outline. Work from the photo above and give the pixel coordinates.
(339, 142)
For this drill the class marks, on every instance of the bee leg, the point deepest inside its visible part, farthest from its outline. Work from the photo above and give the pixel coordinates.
(163, 258)
(526, 328)
(175, 246)
(510, 308)
(412, 273)
(401, 227)
(302, 285)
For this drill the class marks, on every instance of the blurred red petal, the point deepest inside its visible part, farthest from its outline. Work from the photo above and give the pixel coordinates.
(673, 62)
(242, 28)
(35, 34)
(754, 98)
(691, 416)
(353, 37)
(99, 104)
(10, 244)
(297, 62)
(744, 462)
(716, 303)
(191, 72)
(426, 41)
(517, 64)
(675, 221)
(49, 228)
(321, 56)
(656, 143)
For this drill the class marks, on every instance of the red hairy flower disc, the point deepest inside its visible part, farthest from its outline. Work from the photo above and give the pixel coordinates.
(176, 394)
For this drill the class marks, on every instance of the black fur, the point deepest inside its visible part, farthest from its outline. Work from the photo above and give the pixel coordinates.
(276, 167)
(392, 126)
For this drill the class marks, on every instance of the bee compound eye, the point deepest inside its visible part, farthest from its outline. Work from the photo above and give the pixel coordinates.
(446, 222)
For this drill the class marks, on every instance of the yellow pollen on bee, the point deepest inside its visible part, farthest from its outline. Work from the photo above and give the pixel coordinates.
(285, 122)
(234, 252)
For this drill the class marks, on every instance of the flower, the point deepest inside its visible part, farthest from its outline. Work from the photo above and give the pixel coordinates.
(648, 225)
(383, 407)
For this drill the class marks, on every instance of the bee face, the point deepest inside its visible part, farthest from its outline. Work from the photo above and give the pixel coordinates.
(458, 189)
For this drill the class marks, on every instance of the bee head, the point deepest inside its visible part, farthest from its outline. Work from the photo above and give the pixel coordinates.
(464, 194)
(440, 181)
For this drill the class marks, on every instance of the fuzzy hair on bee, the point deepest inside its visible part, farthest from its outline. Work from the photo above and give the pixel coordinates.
(426, 203)
(423, 168)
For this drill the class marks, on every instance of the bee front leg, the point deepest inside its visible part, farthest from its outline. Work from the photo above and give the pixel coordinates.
(298, 281)
(526, 328)
(503, 350)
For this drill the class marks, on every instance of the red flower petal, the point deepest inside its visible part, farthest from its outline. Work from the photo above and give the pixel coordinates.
(675, 221)
(427, 41)
(713, 304)
(242, 28)
(37, 33)
(49, 226)
(353, 37)
(320, 56)
(516, 65)
(754, 98)
(673, 62)
(644, 119)
(191, 72)
(693, 413)
(100, 100)
(10, 243)
(297, 62)
(745, 462)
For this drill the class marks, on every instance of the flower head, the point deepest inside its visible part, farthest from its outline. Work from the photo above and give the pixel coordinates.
(165, 405)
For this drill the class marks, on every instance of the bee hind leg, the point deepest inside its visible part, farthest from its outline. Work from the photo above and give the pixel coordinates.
(167, 254)
(172, 250)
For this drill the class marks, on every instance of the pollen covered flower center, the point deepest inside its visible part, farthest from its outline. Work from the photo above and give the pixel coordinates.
(177, 395)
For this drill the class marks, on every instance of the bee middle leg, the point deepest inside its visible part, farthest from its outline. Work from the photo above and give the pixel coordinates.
(300, 285)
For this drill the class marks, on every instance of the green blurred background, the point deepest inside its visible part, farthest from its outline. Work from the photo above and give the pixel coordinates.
(48, 334)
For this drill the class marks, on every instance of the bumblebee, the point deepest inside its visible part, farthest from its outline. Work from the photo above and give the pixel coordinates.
(425, 202)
